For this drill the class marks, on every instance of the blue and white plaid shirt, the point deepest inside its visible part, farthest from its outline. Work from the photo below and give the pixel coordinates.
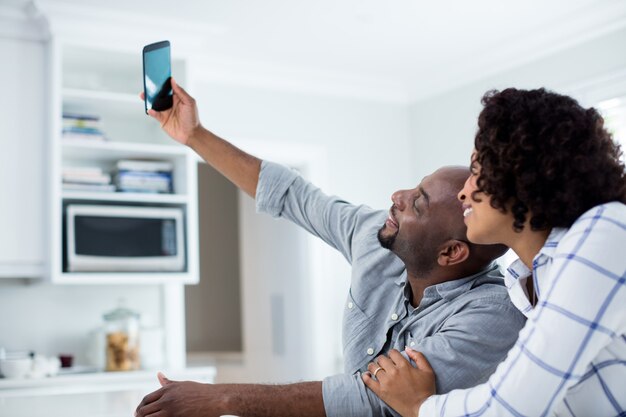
(570, 357)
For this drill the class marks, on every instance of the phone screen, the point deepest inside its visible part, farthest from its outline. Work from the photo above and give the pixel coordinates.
(157, 76)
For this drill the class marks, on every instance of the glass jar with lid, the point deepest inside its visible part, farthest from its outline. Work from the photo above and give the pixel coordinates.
(121, 328)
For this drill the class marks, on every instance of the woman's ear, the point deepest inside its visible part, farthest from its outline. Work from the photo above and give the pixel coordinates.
(453, 252)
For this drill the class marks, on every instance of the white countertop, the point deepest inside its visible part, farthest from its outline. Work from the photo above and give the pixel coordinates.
(95, 404)
(112, 394)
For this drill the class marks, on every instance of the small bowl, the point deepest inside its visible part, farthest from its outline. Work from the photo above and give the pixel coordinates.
(66, 360)
(16, 368)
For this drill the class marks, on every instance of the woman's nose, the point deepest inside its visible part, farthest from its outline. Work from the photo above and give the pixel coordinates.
(462, 195)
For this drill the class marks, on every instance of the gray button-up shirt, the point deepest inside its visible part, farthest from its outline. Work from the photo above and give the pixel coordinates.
(463, 327)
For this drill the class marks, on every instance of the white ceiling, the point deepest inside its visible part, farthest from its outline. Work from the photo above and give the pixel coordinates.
(414, 48)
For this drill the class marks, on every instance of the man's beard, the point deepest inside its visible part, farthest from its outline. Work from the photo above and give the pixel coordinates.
(418, 259)
(386, 241)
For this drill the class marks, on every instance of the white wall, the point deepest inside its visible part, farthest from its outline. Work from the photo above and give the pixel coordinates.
(365, 141)
(443, 127)
(54, 319)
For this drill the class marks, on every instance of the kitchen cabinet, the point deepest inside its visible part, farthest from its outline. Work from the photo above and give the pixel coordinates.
(101, 82)
(22, 158)
(44, 79)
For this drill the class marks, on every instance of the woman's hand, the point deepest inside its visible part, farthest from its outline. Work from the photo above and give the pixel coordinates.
(400, 385)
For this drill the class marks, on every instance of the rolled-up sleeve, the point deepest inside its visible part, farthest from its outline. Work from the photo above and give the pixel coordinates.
(274, 181)
(281, 192)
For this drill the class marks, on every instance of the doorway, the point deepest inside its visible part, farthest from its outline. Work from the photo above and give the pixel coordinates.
(262, 309)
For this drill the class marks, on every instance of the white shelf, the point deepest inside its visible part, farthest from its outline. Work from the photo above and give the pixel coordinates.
(80, 94)
(129, 197)
(101, 82)
(119, 150)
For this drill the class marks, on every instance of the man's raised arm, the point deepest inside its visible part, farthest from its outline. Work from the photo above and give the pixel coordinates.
(182, 123)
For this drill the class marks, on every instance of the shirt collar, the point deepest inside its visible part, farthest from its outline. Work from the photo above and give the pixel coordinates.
(553, 240)
(449, 290)
(517, 273)
(402, 279)
(515, 281)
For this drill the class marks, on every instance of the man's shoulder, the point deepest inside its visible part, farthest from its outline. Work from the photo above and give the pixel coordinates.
(488, 295)
(487, 286)
(597, 231)
(492, 276)
(485, 290)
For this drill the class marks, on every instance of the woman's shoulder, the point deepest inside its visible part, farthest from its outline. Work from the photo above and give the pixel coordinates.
(599, 235)
(613, 213)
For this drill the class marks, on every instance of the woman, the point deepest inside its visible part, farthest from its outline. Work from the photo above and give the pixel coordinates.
(547, 181)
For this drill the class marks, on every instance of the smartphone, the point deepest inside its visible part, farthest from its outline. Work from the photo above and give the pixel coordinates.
(157, 76)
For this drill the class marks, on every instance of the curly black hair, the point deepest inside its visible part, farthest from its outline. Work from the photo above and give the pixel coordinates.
(544, 154)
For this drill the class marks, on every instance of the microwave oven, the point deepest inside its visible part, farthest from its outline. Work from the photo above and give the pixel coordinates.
(103, 238)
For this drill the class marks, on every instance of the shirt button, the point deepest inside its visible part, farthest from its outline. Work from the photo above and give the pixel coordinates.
(412, 344)
(370, 351)
(350, 305)
(394, 316)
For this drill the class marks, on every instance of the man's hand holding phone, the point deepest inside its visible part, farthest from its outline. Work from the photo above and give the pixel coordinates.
(181, 121)
(165, 100)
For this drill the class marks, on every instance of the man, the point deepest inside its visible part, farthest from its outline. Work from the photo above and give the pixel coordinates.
(431, 290)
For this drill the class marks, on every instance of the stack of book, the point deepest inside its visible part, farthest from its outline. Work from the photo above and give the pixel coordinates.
(138, 176)
(86, 179)
(81, 127)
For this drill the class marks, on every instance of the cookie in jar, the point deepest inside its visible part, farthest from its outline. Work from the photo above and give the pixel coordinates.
(122, 340)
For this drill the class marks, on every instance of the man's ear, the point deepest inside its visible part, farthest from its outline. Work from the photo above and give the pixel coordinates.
(453, 252)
